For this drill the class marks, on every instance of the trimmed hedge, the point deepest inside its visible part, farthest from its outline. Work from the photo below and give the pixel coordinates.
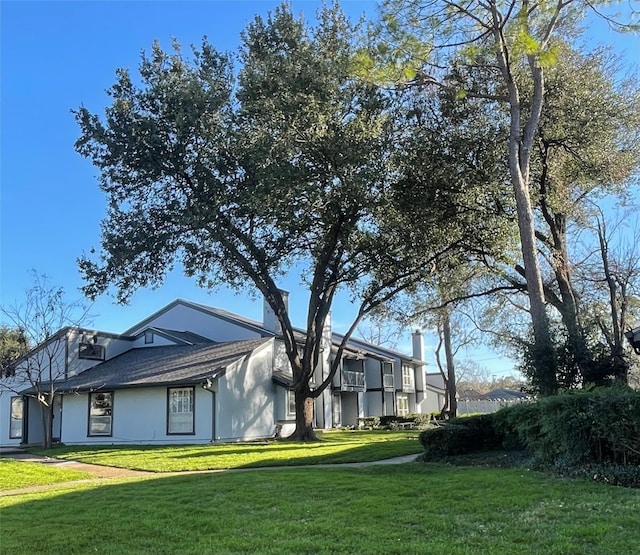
(595, 432)
(460, 436)
(600, 426)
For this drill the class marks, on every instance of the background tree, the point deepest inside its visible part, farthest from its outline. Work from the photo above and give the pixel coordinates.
(241, 175)
(13, 344)
(587, 147)
(38, 320)
(511, 42)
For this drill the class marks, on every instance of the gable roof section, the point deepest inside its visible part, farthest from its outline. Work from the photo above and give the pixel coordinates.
(183, 337)
(150, 366)
(222, 314)
(375, 350)
(356, 347)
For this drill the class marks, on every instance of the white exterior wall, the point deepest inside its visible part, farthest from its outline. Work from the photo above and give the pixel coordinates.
(433, 402)
(113, 347)
(7, 387)
(246, 398)
(139, 416)
(185, 318)
(158, 341)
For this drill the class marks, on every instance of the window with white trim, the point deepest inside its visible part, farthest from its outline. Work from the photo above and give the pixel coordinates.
(407, 376)
(337, 410)
(291, 403)
(180, 410)
(100, 413)
(402, 405)
(16, 418)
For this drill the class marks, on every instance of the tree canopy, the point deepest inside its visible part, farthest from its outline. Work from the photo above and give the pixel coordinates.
(239, 172)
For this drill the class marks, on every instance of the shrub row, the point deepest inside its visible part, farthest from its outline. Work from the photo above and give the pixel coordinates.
(595, 432)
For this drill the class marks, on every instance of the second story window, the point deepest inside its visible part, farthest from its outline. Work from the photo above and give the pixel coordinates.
(407, 375)
(91, 351)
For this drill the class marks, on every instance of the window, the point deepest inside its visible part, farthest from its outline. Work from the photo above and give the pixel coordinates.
(17, 413)
(148, 337)
(100, 413)
(403, 405)
(291, 403)
(91, 351)
(407, 376)
(337, 412)
(180, 410)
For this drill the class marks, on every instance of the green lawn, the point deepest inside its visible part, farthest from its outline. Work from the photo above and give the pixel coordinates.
(20, 474)
(336, 447)
(407, 509)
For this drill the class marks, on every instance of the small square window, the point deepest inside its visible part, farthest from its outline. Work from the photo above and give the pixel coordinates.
(91, 351)
(148, 337)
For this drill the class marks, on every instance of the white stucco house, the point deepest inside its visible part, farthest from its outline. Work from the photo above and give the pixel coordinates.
(190, 373)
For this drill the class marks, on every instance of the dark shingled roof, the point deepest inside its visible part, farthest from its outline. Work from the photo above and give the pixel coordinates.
(161, 365)
(184, 336)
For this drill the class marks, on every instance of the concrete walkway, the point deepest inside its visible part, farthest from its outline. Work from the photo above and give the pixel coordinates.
(103, 473)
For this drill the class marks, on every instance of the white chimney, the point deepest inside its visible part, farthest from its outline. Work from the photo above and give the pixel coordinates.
(269, 320)
(418, 345)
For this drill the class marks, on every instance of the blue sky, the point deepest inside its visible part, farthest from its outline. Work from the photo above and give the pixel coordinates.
(56, 56)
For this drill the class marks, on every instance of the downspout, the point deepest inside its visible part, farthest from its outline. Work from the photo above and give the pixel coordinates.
(207, 385)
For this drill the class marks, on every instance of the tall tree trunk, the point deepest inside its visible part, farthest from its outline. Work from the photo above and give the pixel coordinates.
(451, 371)
(520, 145)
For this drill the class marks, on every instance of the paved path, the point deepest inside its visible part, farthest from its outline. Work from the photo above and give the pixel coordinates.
(103, 473)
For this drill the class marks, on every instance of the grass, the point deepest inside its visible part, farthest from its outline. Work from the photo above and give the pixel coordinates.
(414, 509)
(336, 447)
(21, 474)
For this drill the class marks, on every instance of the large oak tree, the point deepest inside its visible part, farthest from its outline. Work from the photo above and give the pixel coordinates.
(241, 172)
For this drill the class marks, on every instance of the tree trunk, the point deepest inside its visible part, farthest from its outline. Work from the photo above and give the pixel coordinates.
(542, 352)
(519, 156)
(304, 418)
(46, 414)
(451, 370)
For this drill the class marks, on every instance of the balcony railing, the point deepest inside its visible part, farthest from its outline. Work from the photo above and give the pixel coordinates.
(387, 381)
(353, 379)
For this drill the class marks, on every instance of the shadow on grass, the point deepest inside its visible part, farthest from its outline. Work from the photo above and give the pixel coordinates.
(436, 509)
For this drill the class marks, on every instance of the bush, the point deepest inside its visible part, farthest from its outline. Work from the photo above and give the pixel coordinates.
(460, 436)
(600, 426)
(451, 439)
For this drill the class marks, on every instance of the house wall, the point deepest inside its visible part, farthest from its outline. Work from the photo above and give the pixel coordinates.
(139, 416)
(114, 346)
(373, 403)
(350, 409)
(158, 341)
(246, 398)
(184, 318)
(373, 373)
(8, 388)
(245, 401)
(433, 402)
